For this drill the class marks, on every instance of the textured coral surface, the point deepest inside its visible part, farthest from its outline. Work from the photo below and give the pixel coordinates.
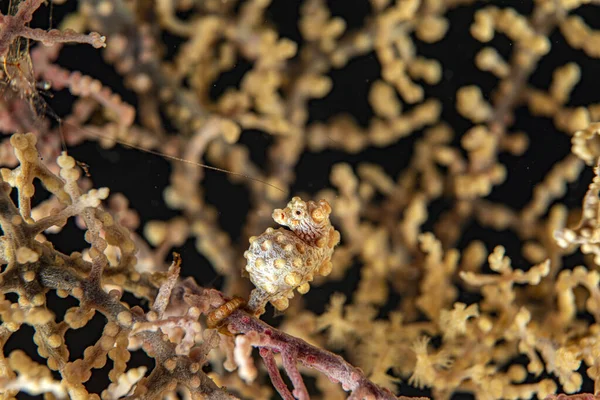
(434, 166)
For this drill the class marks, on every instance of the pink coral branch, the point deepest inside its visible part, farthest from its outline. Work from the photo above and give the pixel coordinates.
(82, 85)
(12, 26)
(295, 350)
(48, 38)
(289, 363)
(16, 26)
(273, 370)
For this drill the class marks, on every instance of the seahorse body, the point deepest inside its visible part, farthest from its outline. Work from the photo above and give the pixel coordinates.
(281, 260)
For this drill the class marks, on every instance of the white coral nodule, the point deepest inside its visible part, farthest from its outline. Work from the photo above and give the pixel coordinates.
(281, 260)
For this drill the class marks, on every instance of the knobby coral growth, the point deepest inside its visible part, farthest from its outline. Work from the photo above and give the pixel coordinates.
(463, 261)
(169, 332)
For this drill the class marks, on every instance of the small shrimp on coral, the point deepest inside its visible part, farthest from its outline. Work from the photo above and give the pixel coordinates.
(280, 260)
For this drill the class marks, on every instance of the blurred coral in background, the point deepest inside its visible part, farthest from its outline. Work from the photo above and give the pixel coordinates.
(435, 165)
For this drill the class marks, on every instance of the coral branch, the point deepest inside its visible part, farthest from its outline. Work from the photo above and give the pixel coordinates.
(14, 27)
(428, 165)
(273, 370)
(294, 350)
